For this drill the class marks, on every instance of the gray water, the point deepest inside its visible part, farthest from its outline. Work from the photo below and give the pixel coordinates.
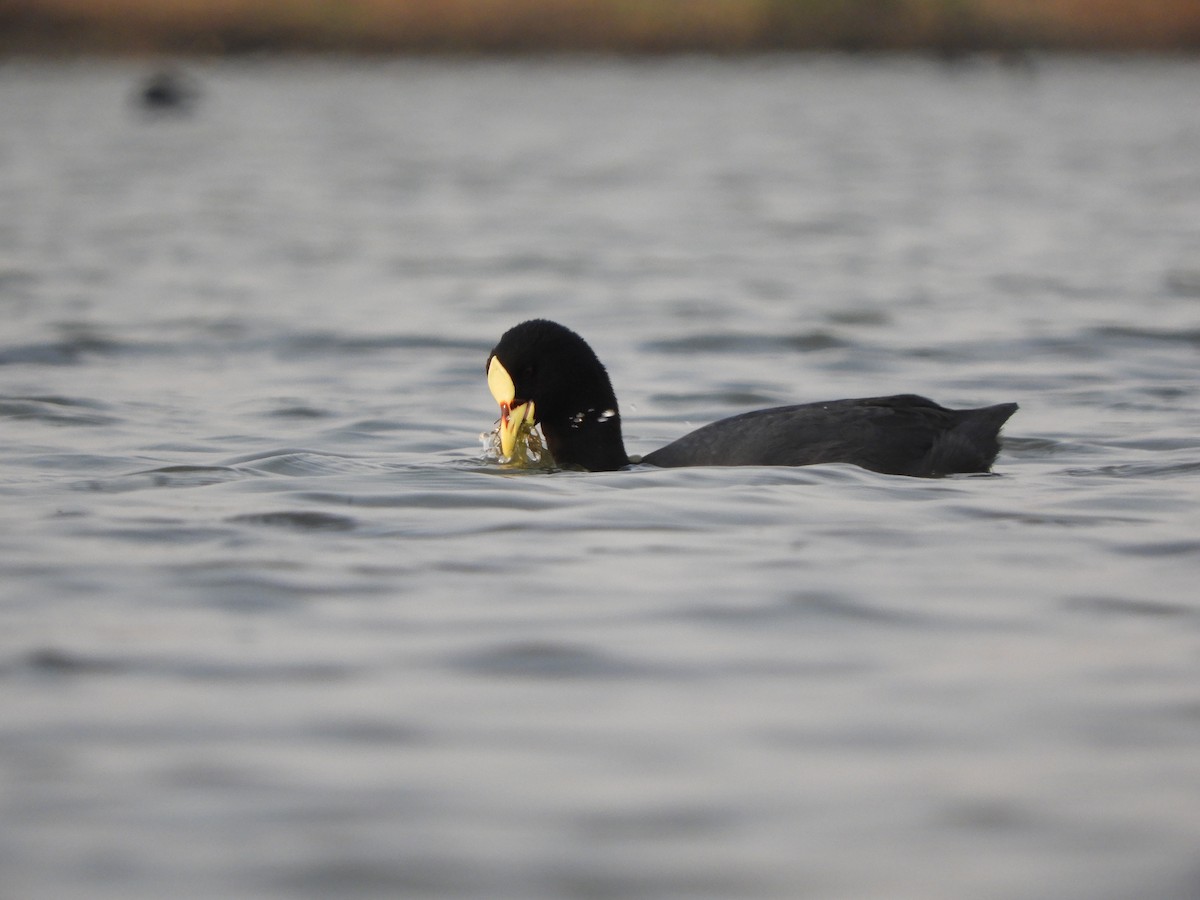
(271, 625)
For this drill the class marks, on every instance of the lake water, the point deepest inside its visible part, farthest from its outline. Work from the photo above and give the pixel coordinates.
(272, 626)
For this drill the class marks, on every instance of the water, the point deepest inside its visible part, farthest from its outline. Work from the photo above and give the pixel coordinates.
(272, 626)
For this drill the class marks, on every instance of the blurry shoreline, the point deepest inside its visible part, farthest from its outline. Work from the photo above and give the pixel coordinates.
(944, 27)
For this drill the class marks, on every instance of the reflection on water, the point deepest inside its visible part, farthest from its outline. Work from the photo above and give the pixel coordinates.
(274, 624)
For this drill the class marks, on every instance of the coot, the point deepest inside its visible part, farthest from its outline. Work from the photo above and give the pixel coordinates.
(543, 373)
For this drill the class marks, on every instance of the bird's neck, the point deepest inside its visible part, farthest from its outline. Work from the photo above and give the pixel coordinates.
(589, 438)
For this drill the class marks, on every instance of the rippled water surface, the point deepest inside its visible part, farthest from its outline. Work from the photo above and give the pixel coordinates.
(271, 625)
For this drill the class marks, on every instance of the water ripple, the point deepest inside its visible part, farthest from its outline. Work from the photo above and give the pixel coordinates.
(166, 477)
(299, 462)
(1138, 470)
(300, 520)
(546, 660)
(1123, 607)
(321, 343)
(1132, 334)
(725, 342)
(56, 410)
(70, 663)
(78, 349)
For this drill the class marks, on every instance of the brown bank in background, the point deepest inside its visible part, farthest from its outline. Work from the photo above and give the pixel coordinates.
(948, 27)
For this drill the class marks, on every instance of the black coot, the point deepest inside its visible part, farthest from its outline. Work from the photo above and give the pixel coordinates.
(544, 373)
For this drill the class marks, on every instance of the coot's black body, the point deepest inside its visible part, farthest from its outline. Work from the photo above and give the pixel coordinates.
(900, 435)
(548, 373)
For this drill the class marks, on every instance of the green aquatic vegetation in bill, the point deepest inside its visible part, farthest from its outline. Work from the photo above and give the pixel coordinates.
(527, 452)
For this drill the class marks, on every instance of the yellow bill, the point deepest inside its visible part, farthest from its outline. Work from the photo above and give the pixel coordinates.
(512, 418)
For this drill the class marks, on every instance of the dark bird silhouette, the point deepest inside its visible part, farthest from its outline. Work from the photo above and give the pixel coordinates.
(543, 373)
(167, 91)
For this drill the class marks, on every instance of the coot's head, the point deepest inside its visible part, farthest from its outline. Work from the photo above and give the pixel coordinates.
(543, 373)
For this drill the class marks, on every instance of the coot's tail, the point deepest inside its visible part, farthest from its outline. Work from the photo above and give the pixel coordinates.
(972, 444)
